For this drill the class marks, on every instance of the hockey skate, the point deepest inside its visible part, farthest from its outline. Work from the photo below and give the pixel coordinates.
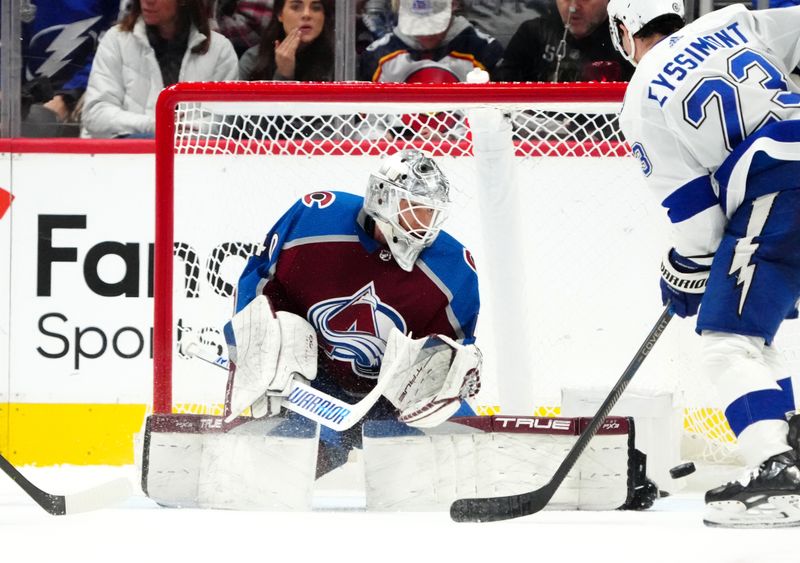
(768, 497)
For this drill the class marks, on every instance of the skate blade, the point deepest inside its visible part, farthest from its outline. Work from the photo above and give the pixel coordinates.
(779, 511)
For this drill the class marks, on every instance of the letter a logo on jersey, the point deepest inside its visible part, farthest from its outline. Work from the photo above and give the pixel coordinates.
(354, 329)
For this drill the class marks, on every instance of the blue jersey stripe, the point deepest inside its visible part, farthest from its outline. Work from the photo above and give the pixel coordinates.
(770, 404)
(690, 199)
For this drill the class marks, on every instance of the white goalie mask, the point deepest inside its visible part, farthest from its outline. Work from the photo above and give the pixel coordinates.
(408, 198)
(636, 14)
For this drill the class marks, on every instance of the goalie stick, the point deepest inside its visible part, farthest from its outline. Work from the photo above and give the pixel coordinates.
(94, 498)
(493, 509)
(307, 401)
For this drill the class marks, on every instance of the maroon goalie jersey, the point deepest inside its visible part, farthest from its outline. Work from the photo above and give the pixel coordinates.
(321, 264)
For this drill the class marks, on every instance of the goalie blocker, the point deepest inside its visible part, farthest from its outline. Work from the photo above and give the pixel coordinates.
(202, 461)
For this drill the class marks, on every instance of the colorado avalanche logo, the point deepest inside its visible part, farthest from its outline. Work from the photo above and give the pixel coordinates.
(318, 199)
(355, 328)
(638, 151)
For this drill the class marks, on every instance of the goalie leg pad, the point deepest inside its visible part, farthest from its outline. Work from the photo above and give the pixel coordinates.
(188, 462)
(496, 456)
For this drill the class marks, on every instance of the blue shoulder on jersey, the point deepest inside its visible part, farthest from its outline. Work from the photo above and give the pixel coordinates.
(318, 214)
(453, 266)
(334, 214)
(771, 157)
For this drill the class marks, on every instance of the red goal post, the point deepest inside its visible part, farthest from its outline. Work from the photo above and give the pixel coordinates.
(566, 238)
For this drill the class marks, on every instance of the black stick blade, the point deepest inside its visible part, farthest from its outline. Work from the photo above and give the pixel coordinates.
(481, 509)
(495, 509)
(91, 499)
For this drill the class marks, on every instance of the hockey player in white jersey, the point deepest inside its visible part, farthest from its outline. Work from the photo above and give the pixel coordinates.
(713, 115)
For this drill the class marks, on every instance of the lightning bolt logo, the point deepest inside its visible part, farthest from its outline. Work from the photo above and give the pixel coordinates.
(745, 247)
(69, 38)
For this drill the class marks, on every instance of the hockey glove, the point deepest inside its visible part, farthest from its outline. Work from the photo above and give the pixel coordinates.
(429, 377)
(268, 350)
(683, 281)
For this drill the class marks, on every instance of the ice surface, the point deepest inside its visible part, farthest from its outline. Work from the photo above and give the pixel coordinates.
(139, 530)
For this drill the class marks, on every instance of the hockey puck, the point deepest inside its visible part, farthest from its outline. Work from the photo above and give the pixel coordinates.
(682, 470)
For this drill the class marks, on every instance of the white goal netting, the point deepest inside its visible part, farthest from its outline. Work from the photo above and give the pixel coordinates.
(566, 238)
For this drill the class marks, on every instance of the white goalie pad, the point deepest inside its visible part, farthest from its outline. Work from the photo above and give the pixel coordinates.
(659, 426)
(429, 377)
(496, 456)
(268, 350)
(199, 461)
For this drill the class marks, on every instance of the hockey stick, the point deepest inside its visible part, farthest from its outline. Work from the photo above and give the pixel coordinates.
(492, 509)
(307, 401)
(91, 499)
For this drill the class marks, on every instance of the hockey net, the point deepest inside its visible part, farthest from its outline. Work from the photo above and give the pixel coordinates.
(566, 238)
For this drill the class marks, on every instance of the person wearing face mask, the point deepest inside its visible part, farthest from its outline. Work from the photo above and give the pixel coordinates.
(378, 283)
(296, 45)
(568, 43)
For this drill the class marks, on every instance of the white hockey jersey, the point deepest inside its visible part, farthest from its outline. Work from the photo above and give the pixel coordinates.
(695, 96)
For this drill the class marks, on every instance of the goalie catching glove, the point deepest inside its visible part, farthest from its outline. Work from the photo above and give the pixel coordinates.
(429, 377)
(267, 350)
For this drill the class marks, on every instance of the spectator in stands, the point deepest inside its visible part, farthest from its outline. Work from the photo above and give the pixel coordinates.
(570, 44)
(157, 44)
(500, 18)
(242, 21)
(378, 17)
(429, 44)
(297, 44)
(59, 40)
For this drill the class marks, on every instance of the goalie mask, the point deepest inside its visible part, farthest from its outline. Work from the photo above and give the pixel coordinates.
(408, 197)
(636, 14)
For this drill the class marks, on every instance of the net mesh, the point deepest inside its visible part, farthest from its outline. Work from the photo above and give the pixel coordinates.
(559, 130)
(588, 224)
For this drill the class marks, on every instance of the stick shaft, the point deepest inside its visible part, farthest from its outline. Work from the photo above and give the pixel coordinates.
(54, 504)
(613, 397)
(94, 498)
(492, 509)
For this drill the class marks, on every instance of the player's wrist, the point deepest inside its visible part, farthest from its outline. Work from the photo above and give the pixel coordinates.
(689, 264)
(684, 274)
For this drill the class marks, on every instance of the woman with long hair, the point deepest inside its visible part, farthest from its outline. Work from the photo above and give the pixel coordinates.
(296, 45)
(157, 44)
